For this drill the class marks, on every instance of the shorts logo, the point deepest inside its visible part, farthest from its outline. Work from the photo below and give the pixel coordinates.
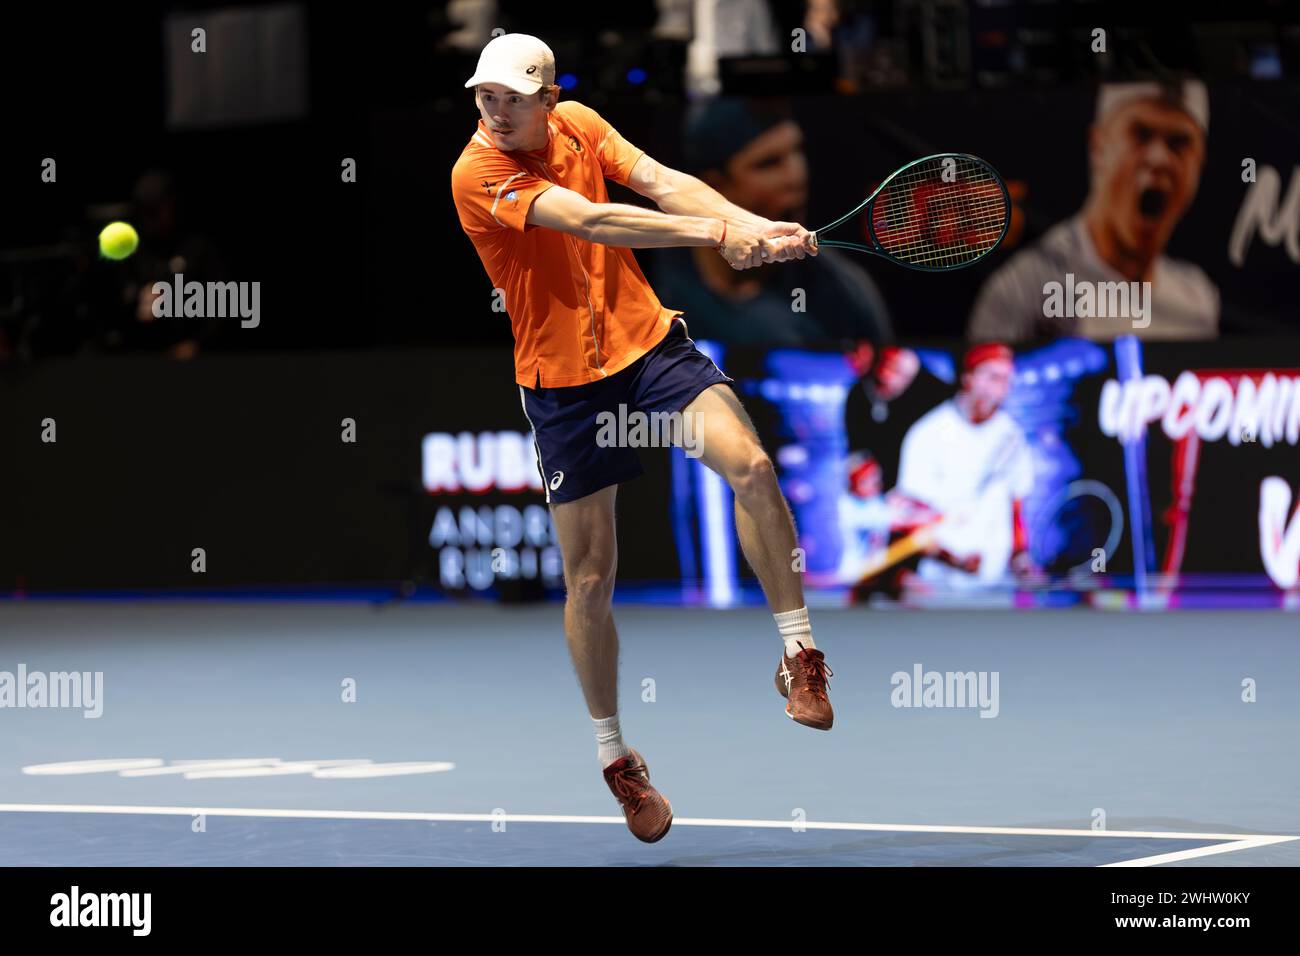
(575, 143)
(556, 480)
(510, 196)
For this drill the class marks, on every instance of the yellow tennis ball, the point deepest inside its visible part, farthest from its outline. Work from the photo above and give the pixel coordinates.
(118, 240)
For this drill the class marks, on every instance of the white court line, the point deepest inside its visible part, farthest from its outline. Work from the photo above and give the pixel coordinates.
(112, 765)
(1203, 851)
(1234, 838)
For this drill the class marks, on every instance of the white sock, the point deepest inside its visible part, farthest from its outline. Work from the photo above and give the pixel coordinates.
(609, 740)
(795, 630)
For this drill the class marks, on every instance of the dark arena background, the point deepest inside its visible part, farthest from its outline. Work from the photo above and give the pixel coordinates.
(279, 581)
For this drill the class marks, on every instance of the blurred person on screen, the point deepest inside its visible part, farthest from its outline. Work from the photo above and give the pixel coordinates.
(864, 514)
(872, 520)
(1146, 148)
(893, 390)
(968, 461)
(752, 153)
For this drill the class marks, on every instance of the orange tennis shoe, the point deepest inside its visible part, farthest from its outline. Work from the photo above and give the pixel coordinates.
(802, 681)
(647, 811)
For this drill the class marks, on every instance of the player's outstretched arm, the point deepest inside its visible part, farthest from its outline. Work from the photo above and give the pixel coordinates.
(682, 194)
(617, 224)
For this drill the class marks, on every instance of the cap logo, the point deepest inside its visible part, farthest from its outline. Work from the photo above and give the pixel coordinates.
(531, 70)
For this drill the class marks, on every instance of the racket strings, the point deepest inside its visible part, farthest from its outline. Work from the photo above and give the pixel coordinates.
(942, 212)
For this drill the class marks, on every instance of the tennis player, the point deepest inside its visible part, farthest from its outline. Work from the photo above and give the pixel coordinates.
(590, 335)
(969, 459)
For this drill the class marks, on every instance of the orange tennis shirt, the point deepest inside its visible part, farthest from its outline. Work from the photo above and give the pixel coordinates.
(580, 311)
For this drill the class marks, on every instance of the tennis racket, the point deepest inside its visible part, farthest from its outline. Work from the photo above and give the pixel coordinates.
(936, 214)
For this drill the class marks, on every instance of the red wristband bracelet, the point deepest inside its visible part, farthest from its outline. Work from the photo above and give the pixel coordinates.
(724, 235)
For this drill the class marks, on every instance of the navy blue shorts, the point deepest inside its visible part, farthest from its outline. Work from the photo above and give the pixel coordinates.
(572, 463)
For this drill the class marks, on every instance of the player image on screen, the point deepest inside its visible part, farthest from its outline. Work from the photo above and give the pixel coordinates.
(892, 392)
(968, 461)
(864, 513)
(1146, 148)
(592, 339)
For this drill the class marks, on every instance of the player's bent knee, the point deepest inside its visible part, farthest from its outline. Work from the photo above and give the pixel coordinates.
(590, 589)
(754, 475)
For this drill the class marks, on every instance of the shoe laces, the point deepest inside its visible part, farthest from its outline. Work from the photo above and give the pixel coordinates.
(630, 786)
(815, 671)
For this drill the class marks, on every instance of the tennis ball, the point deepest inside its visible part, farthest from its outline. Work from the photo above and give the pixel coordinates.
(118, 240)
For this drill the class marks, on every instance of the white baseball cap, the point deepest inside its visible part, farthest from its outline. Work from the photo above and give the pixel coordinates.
(516, 60)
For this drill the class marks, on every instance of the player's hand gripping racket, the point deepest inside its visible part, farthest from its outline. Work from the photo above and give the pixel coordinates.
(936, 214)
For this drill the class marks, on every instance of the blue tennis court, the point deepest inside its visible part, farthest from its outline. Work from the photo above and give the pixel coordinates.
(436, 734)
